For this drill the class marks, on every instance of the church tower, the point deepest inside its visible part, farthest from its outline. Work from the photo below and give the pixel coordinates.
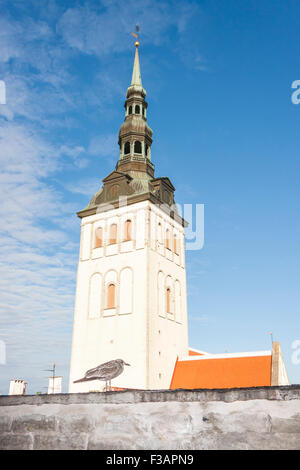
(131, 300)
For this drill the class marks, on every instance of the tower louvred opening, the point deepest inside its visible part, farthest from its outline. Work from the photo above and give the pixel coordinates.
(137, 147)
(127, 148)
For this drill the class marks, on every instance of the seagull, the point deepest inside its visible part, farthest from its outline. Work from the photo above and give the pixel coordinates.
(106, 372)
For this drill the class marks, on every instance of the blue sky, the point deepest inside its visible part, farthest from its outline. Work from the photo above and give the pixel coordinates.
(218, 77)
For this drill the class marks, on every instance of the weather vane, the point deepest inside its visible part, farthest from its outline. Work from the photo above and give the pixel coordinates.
(136, 35)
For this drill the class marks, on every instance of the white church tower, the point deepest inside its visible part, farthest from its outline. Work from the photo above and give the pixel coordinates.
(131, 300)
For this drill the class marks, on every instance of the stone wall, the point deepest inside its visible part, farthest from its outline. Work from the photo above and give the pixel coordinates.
(255, 418)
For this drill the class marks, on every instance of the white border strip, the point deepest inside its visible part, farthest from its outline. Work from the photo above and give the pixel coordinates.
(225, 356)
(198, 351)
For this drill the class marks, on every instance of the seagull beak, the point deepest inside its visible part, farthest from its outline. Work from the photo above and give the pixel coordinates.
(126, 364)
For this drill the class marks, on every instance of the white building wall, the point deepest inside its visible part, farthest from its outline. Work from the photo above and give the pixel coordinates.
(168, 335)
(137, 330)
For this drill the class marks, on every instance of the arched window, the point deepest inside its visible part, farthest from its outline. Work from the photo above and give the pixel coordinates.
(130, 110)
(99, 237)
(113, 234)
(137, 109)
(146, 149)
(137, 147)
(168, 239)
(143, 111)
(127, 148)
(114, 190)
(159, 234)
(127, 234)
(168, 300)
(111, 296)
(175, 245)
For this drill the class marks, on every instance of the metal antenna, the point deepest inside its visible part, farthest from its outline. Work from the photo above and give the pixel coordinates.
(53, 374)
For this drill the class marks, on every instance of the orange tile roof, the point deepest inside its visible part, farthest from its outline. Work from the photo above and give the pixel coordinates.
(196, 352)
(223, 371)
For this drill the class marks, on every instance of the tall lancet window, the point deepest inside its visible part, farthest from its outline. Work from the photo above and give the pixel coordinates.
(175, 245)
(168, 243)
(137, 109)
(127, 234)
(168, 300)
(137, 146)
(99, 237)
(111, 296)
(130, 110)
(127, 148)
(113, 234)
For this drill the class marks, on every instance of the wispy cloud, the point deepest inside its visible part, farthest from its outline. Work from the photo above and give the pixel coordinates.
(103, 145)
(106, 29)
(46, 101)
(86, 187)
(37, 256)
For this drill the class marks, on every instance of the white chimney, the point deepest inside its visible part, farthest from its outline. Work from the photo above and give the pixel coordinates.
(54, 385)
(17, 387)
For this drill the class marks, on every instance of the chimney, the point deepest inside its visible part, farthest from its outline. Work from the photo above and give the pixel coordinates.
(54, 385)
(17, 387)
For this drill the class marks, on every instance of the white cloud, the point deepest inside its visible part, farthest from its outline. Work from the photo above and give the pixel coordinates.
(87, 187)
(37, 255)
(39, 233)
(108, 29)
(104, 146)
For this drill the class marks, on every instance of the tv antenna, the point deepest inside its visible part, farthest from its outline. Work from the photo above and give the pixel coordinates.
(53, 373)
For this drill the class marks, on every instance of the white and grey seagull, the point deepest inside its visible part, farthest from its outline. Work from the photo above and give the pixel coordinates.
(106, 372)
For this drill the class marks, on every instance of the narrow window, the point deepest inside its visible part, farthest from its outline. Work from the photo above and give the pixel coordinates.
(143, 111)
(111, 296)
(168, 239)
(127, 236)
(130, 110)
(168, 300)
(113, 234)
(175, 243)
(99, 237)
(160, 233)
(114, 190)
(137, 147)
(146, 150)
(127, 148)
(137, 109)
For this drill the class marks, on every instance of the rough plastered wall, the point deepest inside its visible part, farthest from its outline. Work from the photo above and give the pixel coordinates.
(257, 418)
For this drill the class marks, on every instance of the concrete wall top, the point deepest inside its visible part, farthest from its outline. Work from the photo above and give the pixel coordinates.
(282, 393)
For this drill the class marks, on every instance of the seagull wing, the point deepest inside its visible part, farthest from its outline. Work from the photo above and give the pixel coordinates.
(105, 371)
